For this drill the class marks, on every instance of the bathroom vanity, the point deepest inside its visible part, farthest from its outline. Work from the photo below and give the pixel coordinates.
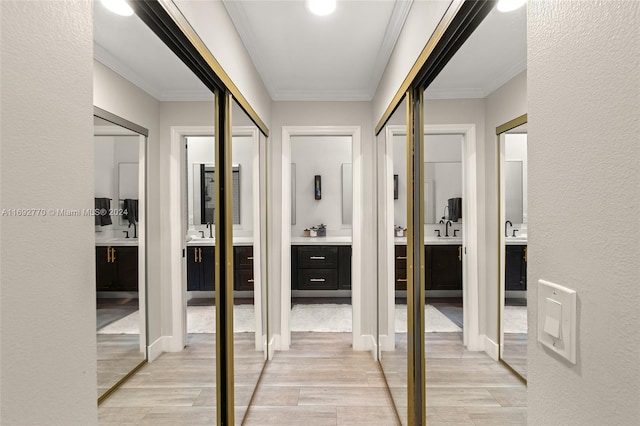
(443, 263)
(117, 265)
(321, 263)
(515, 264)
(201, 260)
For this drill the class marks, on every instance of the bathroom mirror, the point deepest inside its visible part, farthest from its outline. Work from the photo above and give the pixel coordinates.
(347, 193)
(393, 321)
(513, 245)
(120, 250)
(443, 180)
(249, 314)
(204, 185)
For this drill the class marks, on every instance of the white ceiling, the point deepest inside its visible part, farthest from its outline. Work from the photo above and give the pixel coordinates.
(303, 57)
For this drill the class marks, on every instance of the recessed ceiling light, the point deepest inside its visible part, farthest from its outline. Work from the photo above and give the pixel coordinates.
(119, 7)
(509, 5)
(321, 7)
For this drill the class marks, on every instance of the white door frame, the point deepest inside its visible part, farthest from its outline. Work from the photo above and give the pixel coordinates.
(176, 336)
(360, 342)
(470, 293)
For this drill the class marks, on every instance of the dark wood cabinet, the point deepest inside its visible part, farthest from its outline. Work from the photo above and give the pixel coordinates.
(243, 268)
(320, 267)
(116, 268)
(201, 268)
(401, 267)
(443, 267)
(516, 267)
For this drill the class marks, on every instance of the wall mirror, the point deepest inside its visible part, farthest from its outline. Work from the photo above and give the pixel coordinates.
(513, 244)
(442, 175)
(249, 314)
(120, 249)
(393, 321)
(347, 193)
(202, 203)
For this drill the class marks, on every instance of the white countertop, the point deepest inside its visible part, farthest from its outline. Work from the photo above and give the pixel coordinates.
(432, 241)
(117, 242)
(344, 240)
(237, 241)
(520, 240)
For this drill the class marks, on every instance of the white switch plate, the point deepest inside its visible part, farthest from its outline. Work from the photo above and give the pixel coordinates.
(548, 312)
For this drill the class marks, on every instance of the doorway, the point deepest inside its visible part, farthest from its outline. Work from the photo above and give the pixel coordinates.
(321, 260)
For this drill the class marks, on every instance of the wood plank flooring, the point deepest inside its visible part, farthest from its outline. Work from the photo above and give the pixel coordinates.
(321, 381)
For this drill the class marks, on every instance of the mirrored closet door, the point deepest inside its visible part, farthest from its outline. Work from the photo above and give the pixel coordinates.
(513, 163)
(120, 188)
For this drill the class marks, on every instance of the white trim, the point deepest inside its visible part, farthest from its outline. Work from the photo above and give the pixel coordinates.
(156, 349)
(471, 299)
(490, 347)
(356, 239)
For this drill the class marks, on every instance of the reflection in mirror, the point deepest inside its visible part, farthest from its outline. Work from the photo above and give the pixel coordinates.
(347, 193)
(513, 249)
(392, 271)
(249, 256)
(203, 189)
(120, 264)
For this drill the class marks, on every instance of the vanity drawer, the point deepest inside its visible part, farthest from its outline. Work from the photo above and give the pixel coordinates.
(243, 280)
(243, 257)
(401, 279)
(401, 257)
(318, 257)
(317, 279)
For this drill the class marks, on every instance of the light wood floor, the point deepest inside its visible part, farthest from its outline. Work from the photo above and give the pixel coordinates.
(321, 381)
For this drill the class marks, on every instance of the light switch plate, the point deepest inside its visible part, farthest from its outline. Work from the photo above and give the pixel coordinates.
(557, 304)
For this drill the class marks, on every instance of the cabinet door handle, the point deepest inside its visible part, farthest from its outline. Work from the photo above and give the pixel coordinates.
(200, 254)
(317, 280)
(250, 281)
(317, 257)
(250, 258)
(401, 257)
(195, 255)
(460, 253)
(113, 255)
(108, 254)
(402, 280)
(525, 254)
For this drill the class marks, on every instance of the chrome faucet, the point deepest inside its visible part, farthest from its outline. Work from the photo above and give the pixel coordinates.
(446, 228)
(210, 226)
(506, 232)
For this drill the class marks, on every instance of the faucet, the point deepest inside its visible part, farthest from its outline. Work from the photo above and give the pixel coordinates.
(210, 226)
(126, 233)
(135, 230)
(506, 232)
(201, 233)
(446, 228)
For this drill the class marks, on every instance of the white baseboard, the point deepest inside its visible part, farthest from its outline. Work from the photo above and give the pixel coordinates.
(490, 347)
(155, 349)
(387, 343)
(172, 344)
(364, 342)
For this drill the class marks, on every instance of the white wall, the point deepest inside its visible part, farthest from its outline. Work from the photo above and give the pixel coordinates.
(505, 103)
(584, 164)
(324, 156)
(422, 19)
(48, 340)
(214, 26)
